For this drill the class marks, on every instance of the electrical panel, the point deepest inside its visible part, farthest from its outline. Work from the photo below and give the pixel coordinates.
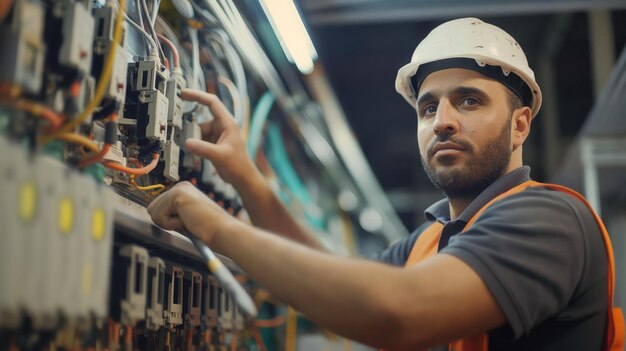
(92, 129)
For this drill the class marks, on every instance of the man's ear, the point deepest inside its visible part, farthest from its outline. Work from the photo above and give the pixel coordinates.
(520, 126)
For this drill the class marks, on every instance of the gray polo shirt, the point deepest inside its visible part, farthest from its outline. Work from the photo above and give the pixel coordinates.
(541, 255)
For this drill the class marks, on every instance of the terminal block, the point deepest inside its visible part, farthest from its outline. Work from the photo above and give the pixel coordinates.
(23, 49)
(104, 27)
(174, 296)
(209, 302)
(128, 294)
(156, 286)
(225, 318)
(171, 154)
(146, 102)
(192, 291)
(77, 32)
(238, 319)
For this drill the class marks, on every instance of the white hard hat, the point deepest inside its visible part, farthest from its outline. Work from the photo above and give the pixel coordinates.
(473, 44)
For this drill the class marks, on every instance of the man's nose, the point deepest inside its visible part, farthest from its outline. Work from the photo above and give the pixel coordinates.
(446, 121)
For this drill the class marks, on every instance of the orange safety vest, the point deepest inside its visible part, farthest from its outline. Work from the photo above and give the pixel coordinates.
(428, 243)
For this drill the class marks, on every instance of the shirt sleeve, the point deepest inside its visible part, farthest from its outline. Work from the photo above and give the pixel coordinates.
(529, 249)
(398, 253)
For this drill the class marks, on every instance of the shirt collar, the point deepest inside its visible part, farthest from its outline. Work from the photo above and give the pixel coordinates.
(440, 210)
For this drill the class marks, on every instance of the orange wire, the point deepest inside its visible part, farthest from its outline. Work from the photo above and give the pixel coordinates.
(38, 110)
(172, 47)
(100, 155)
(5, 7)
(75, 89)
(256, 333)
(128, 337)
(270, 323)
(134, 171)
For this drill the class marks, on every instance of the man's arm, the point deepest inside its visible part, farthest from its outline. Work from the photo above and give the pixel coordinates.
(224, 146)
(432, 303)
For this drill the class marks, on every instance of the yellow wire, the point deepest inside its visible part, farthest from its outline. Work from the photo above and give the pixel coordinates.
(79, 139)
(292, 329)
(145, 188)
(348, 233)
(105, 77)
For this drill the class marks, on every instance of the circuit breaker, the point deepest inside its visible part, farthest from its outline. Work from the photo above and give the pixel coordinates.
(193, 294)
(155, 298)
(128, 294)
(23, 46)
(173, 308)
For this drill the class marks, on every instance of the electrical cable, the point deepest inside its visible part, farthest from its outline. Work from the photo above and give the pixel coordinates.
(38, 110)
(292, 329)
(144, 6)
(270, 323)
(79, 139)
(134, 171)
(238, 72)
(225, 278)
(147, 187)
(234, 93)
(112, 123)
(142, 31)
(103, 82)
(184, 8)
(173, 49)
(155, 11)
(195, 53)
(259, 117)
(277, 154)
(256, 334)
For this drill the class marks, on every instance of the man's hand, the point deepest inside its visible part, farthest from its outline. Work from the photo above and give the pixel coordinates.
(184, 207)
(222, 143)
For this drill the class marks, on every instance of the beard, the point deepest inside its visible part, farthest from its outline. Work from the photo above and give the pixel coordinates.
(480, 170)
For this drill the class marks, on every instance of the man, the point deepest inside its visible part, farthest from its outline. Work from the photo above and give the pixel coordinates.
(527, 271)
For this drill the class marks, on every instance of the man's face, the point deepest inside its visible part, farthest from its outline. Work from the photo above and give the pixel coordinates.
(464, 131)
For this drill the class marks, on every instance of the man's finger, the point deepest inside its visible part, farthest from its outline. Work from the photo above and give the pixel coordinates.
(202, 148)
(218, 109)
(169, 222)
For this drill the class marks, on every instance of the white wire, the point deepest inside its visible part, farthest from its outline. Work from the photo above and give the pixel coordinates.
(269, 74)
(195, 53)
(155, 11)
(144, 5)
(236, 67)
(142, 31)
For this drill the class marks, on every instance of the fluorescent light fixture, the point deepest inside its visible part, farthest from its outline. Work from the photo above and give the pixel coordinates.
(292, 35)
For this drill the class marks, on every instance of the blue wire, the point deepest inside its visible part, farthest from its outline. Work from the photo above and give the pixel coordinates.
(259, 116)
(285, 171)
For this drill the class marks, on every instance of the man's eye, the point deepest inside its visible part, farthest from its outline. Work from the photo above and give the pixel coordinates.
(429, 110)
(471, 102)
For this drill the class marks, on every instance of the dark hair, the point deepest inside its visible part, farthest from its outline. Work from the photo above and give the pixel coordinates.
(513, 100)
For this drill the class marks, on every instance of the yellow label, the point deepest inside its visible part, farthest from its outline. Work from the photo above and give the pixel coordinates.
(214, 265)
(87, 279)
(28, 201)
(66, 215)
(98, 224)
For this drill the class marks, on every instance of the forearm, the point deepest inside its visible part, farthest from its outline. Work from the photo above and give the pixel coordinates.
(269, 213)
(355, 298)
